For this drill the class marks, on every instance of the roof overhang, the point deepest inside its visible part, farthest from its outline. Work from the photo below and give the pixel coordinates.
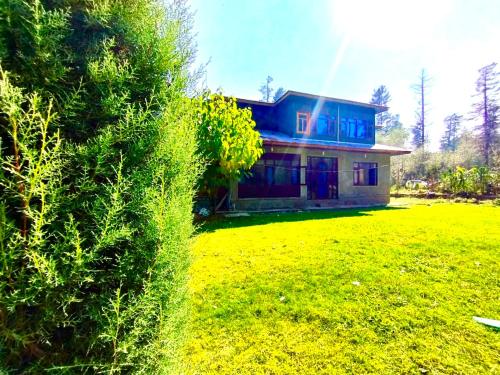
(338, 148)
(279, 139)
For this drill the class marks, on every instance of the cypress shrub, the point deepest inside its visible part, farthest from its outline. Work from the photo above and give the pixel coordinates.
(98, 162)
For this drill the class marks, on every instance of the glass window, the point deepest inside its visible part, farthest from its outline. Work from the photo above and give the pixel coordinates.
(365, 174)
(322, 125)
(269, 175)
(295, 180)
(332, 130)
(274, 175)
(361, 129)
(343, 126)
(352, 128)
(302, 122)
(370, 129)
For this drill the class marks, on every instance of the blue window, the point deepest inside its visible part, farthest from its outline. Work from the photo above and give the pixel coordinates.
(332, 130)
(269, 175)
(343, 126)
(352, 128)
(356, 129)
(361, 129)
(322, 125)
(295, 176)
(370, 130)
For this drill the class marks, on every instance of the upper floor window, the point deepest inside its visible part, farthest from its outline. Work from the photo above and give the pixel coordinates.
(365, 174)
(355, 128)
(325, 125)
(322, 125)
(352, 128)
(361, 129)
(303, 122)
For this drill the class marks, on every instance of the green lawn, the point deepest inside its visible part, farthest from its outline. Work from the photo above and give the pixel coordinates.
(381, 291)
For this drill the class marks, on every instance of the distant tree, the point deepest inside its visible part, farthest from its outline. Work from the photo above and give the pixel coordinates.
(278, 94)
(419, 134)
(395, 134)
(467, 153)
(266, 90)
(486, 110)
(228, 141)
(449, 141)
(381, 97)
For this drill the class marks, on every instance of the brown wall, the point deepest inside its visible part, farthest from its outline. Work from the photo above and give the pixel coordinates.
(349, 195)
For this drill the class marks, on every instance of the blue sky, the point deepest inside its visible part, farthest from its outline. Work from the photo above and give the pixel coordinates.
(347, 48)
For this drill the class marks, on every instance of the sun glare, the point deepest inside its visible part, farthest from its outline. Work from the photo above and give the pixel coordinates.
(391, 24)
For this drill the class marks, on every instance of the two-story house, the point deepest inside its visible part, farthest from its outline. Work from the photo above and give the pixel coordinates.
(319, 152)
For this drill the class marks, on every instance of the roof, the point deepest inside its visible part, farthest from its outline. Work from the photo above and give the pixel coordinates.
(280, 139)
(377, 108)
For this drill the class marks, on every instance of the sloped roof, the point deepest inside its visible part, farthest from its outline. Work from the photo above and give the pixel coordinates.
(377, 108)
(281, 139)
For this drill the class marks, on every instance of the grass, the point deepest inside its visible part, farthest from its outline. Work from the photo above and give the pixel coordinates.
(352, 291)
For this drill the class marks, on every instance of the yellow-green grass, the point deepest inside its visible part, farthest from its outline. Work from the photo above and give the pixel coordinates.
(279, 293)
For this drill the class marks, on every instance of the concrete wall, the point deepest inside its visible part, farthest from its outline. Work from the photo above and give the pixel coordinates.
(349, 195)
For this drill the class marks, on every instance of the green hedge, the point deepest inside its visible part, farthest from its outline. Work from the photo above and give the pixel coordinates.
(98, 168)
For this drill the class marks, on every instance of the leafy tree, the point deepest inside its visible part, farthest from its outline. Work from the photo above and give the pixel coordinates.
(278, 94)
(228, 142)
(381, 97)
(97, 145)
(419, 130)
(449, 141)
(486, 109)
(266, 90)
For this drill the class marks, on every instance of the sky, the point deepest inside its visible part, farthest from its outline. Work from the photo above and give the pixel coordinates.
(347, 48)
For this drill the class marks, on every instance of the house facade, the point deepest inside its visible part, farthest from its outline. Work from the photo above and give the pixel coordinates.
(318, 152)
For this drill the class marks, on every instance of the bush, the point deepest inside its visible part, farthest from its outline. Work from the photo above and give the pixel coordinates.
(98, 156)
(476, 180)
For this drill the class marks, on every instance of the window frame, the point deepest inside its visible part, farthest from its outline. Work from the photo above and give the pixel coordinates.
(332, 126)
(352, 126)
(357, 168)
(327, 118)
(307, 131)
(262, 180)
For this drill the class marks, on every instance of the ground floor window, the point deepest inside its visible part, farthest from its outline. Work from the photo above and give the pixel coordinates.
(273, 176)
(365, 174)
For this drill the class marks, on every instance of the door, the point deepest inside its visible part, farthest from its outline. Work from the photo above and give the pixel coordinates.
(322, 178)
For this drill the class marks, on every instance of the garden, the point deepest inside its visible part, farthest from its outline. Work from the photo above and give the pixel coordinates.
(383, 290)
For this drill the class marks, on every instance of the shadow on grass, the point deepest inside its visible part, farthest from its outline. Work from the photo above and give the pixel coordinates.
(221, 222)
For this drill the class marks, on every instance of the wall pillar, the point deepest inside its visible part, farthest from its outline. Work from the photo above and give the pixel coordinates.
(303, 166)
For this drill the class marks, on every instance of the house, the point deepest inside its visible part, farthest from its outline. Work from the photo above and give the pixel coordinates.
(319, 152)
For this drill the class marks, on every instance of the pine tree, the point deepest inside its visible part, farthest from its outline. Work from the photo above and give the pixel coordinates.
(382, 97)
(278, 94)
(266, 90)
(451, 136)
(486, 110)
(419, 130)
